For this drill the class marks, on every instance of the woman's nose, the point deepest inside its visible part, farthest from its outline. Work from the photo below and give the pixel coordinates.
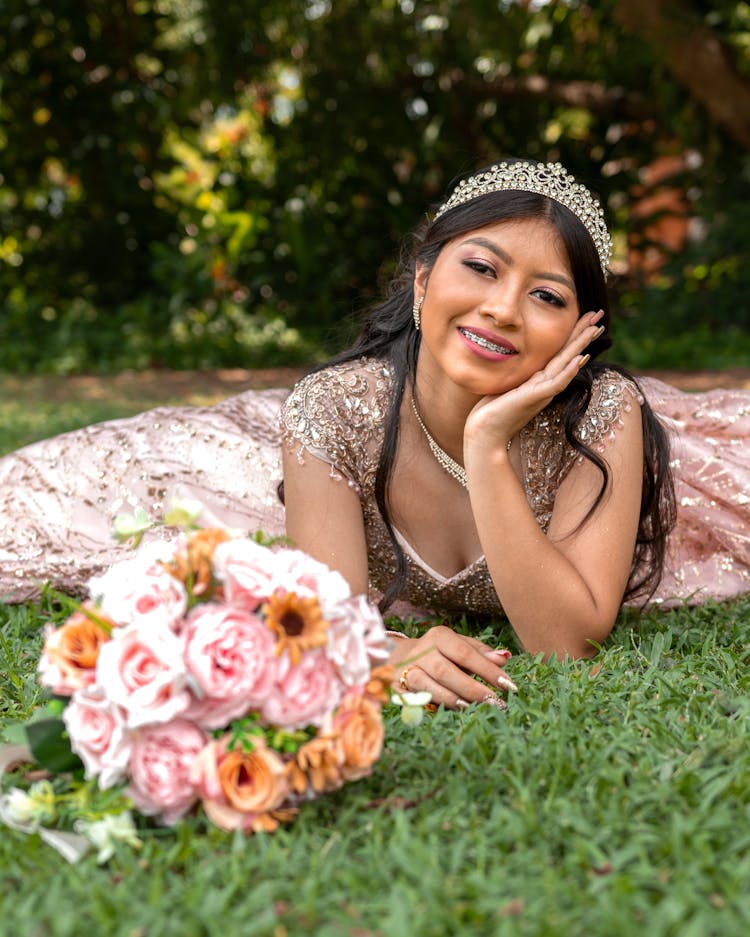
(503, 306)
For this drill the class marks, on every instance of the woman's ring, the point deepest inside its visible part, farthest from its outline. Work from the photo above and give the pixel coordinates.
(402, 679)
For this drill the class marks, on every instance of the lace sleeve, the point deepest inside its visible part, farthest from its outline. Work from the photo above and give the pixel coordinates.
(338, 415)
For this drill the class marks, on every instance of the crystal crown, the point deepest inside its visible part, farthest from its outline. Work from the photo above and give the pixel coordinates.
(550, 179)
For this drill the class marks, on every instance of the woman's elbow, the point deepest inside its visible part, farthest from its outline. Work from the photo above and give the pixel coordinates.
(584, 643)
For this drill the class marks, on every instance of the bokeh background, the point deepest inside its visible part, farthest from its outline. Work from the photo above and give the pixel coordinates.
(214, 183)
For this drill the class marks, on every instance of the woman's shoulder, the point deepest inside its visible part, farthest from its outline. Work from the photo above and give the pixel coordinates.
(360, 386)
(339, 412)
(612, 393)
(358, 376)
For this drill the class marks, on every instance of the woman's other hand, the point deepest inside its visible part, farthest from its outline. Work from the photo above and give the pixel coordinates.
(455, 669)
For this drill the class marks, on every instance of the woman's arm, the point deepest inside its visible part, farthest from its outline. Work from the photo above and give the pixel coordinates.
(561, 591)
(324, 517)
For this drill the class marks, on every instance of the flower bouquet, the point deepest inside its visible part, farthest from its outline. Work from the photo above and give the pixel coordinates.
(215, 670)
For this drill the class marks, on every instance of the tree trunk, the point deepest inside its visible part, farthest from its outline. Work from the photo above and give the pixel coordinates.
(696, 57)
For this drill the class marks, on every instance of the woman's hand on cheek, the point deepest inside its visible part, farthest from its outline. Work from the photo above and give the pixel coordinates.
(455, 669)
(495, 420)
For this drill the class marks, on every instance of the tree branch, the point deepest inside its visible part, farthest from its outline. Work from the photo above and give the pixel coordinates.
(697, 58)
(592, 96)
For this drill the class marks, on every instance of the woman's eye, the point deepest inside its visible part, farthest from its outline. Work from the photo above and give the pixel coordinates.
(548, 296)
(480, 266)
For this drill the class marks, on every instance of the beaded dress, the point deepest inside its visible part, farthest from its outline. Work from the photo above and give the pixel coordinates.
(58, 497)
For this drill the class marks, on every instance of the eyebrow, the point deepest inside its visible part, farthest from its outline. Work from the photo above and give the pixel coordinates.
(506, 258)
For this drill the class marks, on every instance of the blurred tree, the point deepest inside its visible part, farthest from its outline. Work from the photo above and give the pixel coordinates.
(182, 179)
(85, 97)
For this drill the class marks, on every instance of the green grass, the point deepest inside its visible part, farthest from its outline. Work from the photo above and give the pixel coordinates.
(35, 407)
(612, 798)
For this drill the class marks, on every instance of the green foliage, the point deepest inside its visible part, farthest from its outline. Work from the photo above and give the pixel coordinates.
(22, 423)
(49, 745)
(197, 183)
(695, 314)
(83, 106)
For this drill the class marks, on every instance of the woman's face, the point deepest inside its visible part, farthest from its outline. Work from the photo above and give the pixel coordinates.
(499, 303)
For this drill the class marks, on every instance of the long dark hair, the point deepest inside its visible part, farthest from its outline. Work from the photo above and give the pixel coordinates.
(388, 333)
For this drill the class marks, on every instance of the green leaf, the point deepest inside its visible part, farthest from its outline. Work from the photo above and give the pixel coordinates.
(14, 733)
(49, 707)
(50, 746)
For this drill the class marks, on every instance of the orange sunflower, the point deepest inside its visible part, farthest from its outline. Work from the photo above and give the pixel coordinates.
(297, 620)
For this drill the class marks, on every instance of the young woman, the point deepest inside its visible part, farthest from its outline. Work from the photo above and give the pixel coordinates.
(468, 454)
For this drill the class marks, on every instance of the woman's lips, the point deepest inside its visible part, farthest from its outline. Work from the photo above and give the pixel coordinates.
(487, 345)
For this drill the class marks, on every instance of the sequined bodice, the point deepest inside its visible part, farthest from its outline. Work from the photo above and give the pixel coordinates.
(339, 415)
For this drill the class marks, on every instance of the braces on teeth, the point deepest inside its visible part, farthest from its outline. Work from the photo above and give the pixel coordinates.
(485, 343)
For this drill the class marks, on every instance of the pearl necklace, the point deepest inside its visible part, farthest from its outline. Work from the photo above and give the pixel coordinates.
(447, 463)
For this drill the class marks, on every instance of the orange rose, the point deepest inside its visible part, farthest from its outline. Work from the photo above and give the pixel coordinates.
(237, 786)
(361, 729)
(252, 781)
(71, 652)
(227, 819)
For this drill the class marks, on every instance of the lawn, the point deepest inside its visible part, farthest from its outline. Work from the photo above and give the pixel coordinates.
(36, 406)
(611, 798)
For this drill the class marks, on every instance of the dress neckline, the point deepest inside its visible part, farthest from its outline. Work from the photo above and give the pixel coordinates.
(433, 573)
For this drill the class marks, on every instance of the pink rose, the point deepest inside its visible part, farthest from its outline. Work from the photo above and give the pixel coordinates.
(229, 655)
(160, 767)
(356, 639)
(239, 788)
(143, 671)
(304, 694)
(297, 572)
(246, 570)
(142, 590)
(98, 736)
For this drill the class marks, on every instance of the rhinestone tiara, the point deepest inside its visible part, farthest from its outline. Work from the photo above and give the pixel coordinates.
(550, 179)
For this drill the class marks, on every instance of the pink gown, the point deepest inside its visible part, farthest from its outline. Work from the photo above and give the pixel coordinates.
(58, 497)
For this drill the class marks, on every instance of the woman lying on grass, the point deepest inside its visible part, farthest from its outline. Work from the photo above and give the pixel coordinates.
(467, 455)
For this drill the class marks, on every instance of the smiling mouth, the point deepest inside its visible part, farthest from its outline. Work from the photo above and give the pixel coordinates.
(485, 343)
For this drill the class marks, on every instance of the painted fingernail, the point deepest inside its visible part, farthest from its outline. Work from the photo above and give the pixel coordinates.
(462, 704)
(499, 654)
(506, 684)
(584, 360)
(600, 331)
(495, 701)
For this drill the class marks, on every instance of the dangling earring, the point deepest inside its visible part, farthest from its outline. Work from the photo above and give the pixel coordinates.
(417, 312)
